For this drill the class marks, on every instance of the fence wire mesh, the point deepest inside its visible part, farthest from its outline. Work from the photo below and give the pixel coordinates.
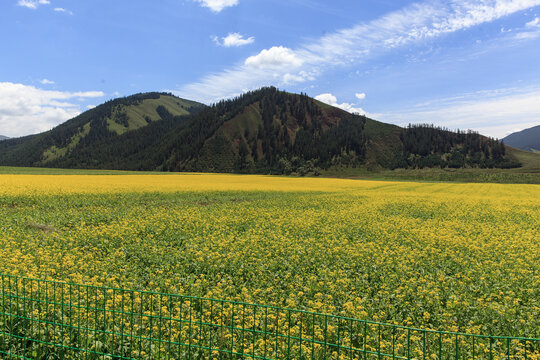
(42, 319)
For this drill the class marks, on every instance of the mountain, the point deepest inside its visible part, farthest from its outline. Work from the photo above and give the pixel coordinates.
(104, 123)
(263, 131)
(2, 137)
(528, 139)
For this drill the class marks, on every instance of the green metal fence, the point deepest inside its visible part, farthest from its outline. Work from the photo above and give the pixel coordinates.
(42, 319)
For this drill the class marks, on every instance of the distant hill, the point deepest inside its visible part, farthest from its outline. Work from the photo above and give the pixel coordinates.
(2, 137)
(263, 131)
(528, 139)
(101, 124)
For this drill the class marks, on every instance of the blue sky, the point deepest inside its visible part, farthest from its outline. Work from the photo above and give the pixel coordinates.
(459, 64)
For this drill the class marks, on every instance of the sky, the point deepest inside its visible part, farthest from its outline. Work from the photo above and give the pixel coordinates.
(460, 64)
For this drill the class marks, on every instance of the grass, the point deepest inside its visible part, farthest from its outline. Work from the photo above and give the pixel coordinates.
(528, 174)
(376, 128)
(148, 107)
(247, 120)
(530, 160)
(54, 152)
(14, 170)
(509, 176)
(503, 176)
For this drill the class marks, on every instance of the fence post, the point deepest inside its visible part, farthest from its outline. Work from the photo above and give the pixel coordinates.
(440, 345)
(393, 342)
(490, 348)
(3, 313)
(473, 339)
(289, 334)
(325, 330)
(424, 345)
(190, 332)
(243, 329)
(254, 334)
(379, 344)
(301, 331)
(313, 337)
(365, 340)
(351, 343)
(265, 328)
(408, 343)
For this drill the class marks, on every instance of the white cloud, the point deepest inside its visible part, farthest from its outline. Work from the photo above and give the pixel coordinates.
(33, 4)
(360, 96)
(415, 23)
(277, 57)
(332, 100)
(26, 109)
(533, 23)
(62, 10)
(233, 40)
(493, 113)
(47, 82)
(217, 5)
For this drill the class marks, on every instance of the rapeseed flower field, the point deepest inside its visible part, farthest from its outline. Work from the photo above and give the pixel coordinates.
(456, 257)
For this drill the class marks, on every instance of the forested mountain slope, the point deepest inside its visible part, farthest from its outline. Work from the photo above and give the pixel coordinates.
(263, 131)
(62, 145)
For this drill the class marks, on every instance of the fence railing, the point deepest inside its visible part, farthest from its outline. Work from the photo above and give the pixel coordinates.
(42, 319)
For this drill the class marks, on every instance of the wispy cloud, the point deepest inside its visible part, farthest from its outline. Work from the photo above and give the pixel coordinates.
(233, 40)
(530, 30)
(413, 24)
(26, 109)
(217, 5)
(494, 112)
(32, 4)
(46, 82)
(62, 10)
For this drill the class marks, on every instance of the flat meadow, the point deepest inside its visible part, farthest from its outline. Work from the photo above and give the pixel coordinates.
(446, 256)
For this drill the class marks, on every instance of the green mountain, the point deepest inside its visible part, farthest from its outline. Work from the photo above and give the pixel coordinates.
(263, 131)
(104, 123)
(528, 139)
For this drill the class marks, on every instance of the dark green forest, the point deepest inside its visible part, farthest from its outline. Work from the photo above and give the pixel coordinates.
(430, 146)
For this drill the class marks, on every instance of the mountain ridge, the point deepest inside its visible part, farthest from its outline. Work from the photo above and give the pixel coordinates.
(527, 139)
(262, 131)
